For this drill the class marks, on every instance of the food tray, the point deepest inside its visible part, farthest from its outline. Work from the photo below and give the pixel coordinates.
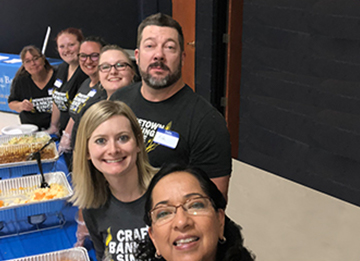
(28, 148)
(71, 254)
(18, 211)
(19, 171)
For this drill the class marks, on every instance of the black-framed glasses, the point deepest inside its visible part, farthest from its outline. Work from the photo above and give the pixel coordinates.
(194, 206)
(93, 56)
(119, 66)
(34, 59)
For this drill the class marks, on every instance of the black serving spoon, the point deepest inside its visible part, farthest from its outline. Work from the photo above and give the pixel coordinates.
(43, 184)
(37, 156)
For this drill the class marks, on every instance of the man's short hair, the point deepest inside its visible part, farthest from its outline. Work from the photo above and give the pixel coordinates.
(160, 19)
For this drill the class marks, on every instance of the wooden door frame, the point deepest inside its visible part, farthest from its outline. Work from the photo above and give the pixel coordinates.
(233, 64)
(233, 73)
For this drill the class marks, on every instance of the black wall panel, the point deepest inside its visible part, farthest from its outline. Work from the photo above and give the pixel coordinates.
(300, 95)
(25, 22)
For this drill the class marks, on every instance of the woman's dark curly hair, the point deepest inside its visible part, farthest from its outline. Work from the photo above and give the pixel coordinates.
(231, 250)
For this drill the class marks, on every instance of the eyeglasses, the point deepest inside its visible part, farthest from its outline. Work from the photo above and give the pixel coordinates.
(34, 59)
(94, 57)
(194, 206)
(106, 67)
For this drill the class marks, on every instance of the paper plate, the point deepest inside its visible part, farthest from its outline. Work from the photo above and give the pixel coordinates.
(19, 129)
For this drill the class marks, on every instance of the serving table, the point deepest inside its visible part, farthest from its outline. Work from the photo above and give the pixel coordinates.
(40, 240)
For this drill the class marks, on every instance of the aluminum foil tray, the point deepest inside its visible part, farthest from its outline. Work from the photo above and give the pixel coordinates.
(29, 148)
(19, 171)
(10, 190)
(71, 254)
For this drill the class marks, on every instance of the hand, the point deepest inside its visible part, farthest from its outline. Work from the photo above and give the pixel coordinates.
(52, 129)
(64, 145)
(26, 105)
(81, 234)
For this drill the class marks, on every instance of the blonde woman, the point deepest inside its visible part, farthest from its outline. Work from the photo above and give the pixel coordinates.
(111, 173)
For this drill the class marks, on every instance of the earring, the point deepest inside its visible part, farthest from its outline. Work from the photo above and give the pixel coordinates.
(222, 240)
(157, 256)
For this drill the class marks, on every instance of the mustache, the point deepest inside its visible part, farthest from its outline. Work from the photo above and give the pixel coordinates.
(159, 64)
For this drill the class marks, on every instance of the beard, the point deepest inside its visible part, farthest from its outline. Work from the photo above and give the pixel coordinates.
(160, 82)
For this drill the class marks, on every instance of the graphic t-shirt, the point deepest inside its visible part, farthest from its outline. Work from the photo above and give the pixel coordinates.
(185, 128)
(98, 96)
(64, 91)
(84, 93)
(116, 228)
(24, 88)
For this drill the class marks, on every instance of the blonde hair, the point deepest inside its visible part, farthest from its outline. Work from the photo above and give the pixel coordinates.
(90, 186)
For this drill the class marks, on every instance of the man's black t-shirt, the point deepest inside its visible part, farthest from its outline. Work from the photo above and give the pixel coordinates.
(185, 128)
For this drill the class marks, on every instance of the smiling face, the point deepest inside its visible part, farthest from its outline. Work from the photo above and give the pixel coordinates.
(185, 237)
(115, 79)
(112, 147)
(33, 64)
(159, 56)
(68, 47)
(89, 66)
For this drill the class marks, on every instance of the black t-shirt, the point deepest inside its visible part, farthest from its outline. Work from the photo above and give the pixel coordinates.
(185, 128)
(84, 93)
(64, 91)
(116, 227)
(99, 95)
(23, 87)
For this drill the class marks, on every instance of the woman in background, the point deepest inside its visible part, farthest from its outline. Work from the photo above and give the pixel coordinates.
(89, 60)
(185, 212)
(110, 176)
(116, 70)
(69, 77)
(30, 93)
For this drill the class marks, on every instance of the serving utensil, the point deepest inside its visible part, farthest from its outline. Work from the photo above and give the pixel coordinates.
(37, 156)
(43, 184)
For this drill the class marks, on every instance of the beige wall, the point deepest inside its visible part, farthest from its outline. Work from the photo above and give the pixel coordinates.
(284, 221)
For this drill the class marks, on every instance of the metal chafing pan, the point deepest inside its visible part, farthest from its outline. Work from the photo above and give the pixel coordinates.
(71, 254)
(6, 150)
(15, 188)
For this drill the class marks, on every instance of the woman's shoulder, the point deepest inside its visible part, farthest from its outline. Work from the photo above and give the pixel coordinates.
(61, 71)
(80, 74)
(22, 79)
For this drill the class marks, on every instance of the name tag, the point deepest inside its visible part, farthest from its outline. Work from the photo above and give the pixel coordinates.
(91, 93)
(58, 83)
(166, 138)
(50, 91)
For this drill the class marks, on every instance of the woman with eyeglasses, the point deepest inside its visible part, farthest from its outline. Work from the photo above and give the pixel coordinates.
(110, 176)
(89, 60)
(30, 93)
(69, 77)
(115, 70)
(185, 213)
